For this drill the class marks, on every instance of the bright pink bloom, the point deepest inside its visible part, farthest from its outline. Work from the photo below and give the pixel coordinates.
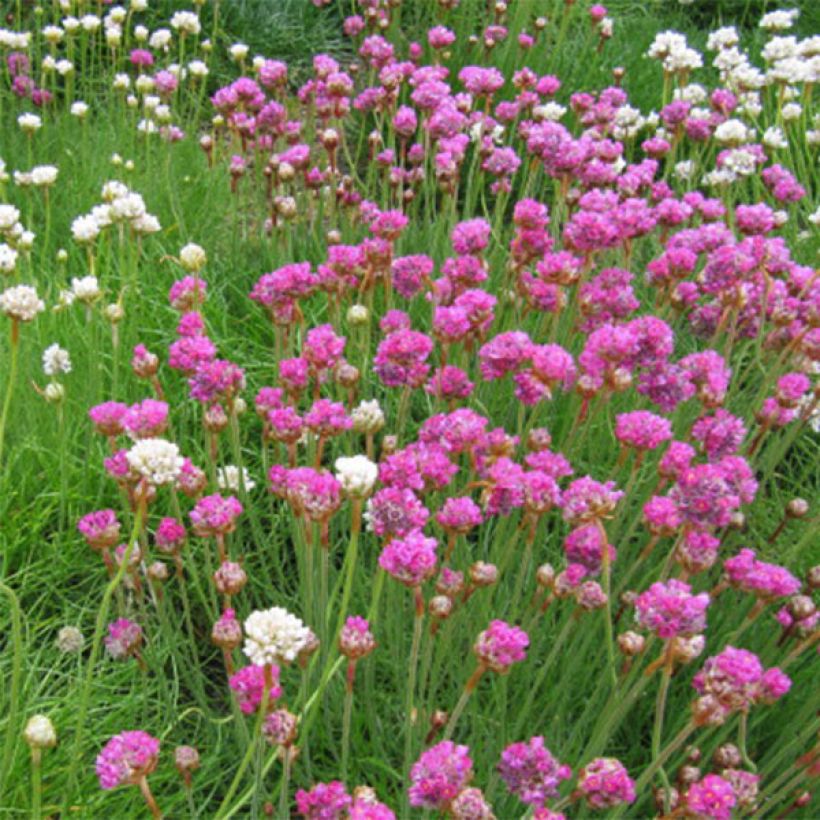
(325, 801)
(531, 772)
(712, 797)
(126, 759)
(439, 774)
(215, 515)
(410, 560)
(501, 645)
(605, 783)
(670, 609)
(249, 685)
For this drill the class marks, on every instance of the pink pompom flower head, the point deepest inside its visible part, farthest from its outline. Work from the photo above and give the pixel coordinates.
(438, 776)
(605, 783)
(531, 772)
(127, 760)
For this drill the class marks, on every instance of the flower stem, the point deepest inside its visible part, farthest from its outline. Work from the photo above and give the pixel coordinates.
(346, 716)
(660, 709)
(471, 684)
(418, 623)
(102, 617)
(14, 687)
(36, 783)
(15, 355)
(149, 798)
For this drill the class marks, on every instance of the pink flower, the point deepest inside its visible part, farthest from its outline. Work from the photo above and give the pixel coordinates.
(187, 294)
(670, 609)
(400, 358)
(148, 419)
(325, 801)
(100, 529)
(215, 515)
(459, 515)
(439, 774)
(170, 535)
(395, 512)
(314, 494)
(123, 639)
(501, 645)
(323, 348)
(126, 759)
(585, 545)
(531, 772)
(605, 782)
(587, 500)
(711, 797)
(410, 560)
(356, 640)
(249, 685)
(217, 379)
(720, 434)
(642, 430)
(765, 580)
(107, 417)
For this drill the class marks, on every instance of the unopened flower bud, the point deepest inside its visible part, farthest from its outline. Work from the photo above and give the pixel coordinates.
(158, 571)
(440, 606)
(797, 508)
(230, 578)
(279, 728)
(193, 258)
(631, 643)
(545, 576)
(590, 596)
(346, 374)
(389, 445)
(727, 756)
(813, 577)
(62, 256)
(688, 775)
(186, 759)
(800, 607)
(114, 312)
(39, 733)
(738, 521)
(539, 439)
(483, 574)
(310, 646)
(70, 640)
(358, 315)
(215, 419)
(54, 392)
(660, 795)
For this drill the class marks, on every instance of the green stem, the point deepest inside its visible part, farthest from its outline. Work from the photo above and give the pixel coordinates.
(14, 689)
(15, 355)
(102, 617)
(36, 784)
(418, 623)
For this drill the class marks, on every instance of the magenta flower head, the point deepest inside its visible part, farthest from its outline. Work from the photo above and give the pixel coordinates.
(215, 515)
(767, 581)
(170, 535)
(124, 638)
(356, 640)
(410, 560)
(126, 759)
(642, 430)
(670, 609)
(107, 417)
(605, 782)
(439, 774)
(530, 771)
(100, 529)
(586, 500)
(249, 685)
(459, 515)
(147, 419)
(711, 797)
(325, 801)
(500, 646)
(395, 512)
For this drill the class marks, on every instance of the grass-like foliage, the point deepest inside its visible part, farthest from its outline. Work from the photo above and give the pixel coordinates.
(408, 407)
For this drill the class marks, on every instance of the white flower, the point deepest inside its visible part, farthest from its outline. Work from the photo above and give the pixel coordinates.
(21, 302)
(29, 122)
(53, 34)
(79, 109)
(815, 218)
(70, 24)
(186, 21)
(358, 315)
(69, 639)
(160, 39)
(198, 68)
(64, 67)
(101, 215)
(723, 38)
(551, 111)
(357, 475)
(56, 360)
(141, 33)
(8, 216)
(779, 48)
(39, 732)
(238, 51)
(113, 35)
(90, 22)
(8, 258)
(113, 189)
(145, 224)
(274, 636)
(114, 313)
(367, 417)
(54, 392)
(26, 240)
(227, 478)
(192, 257)
(791, 111)
(156, 460)
(85, 229)
(732, 132)
(44, 175)
(128, 207)
(779, 20)
(774, 138)
(684, 169)
(86, 289)
(138, 5)
(122, 82)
